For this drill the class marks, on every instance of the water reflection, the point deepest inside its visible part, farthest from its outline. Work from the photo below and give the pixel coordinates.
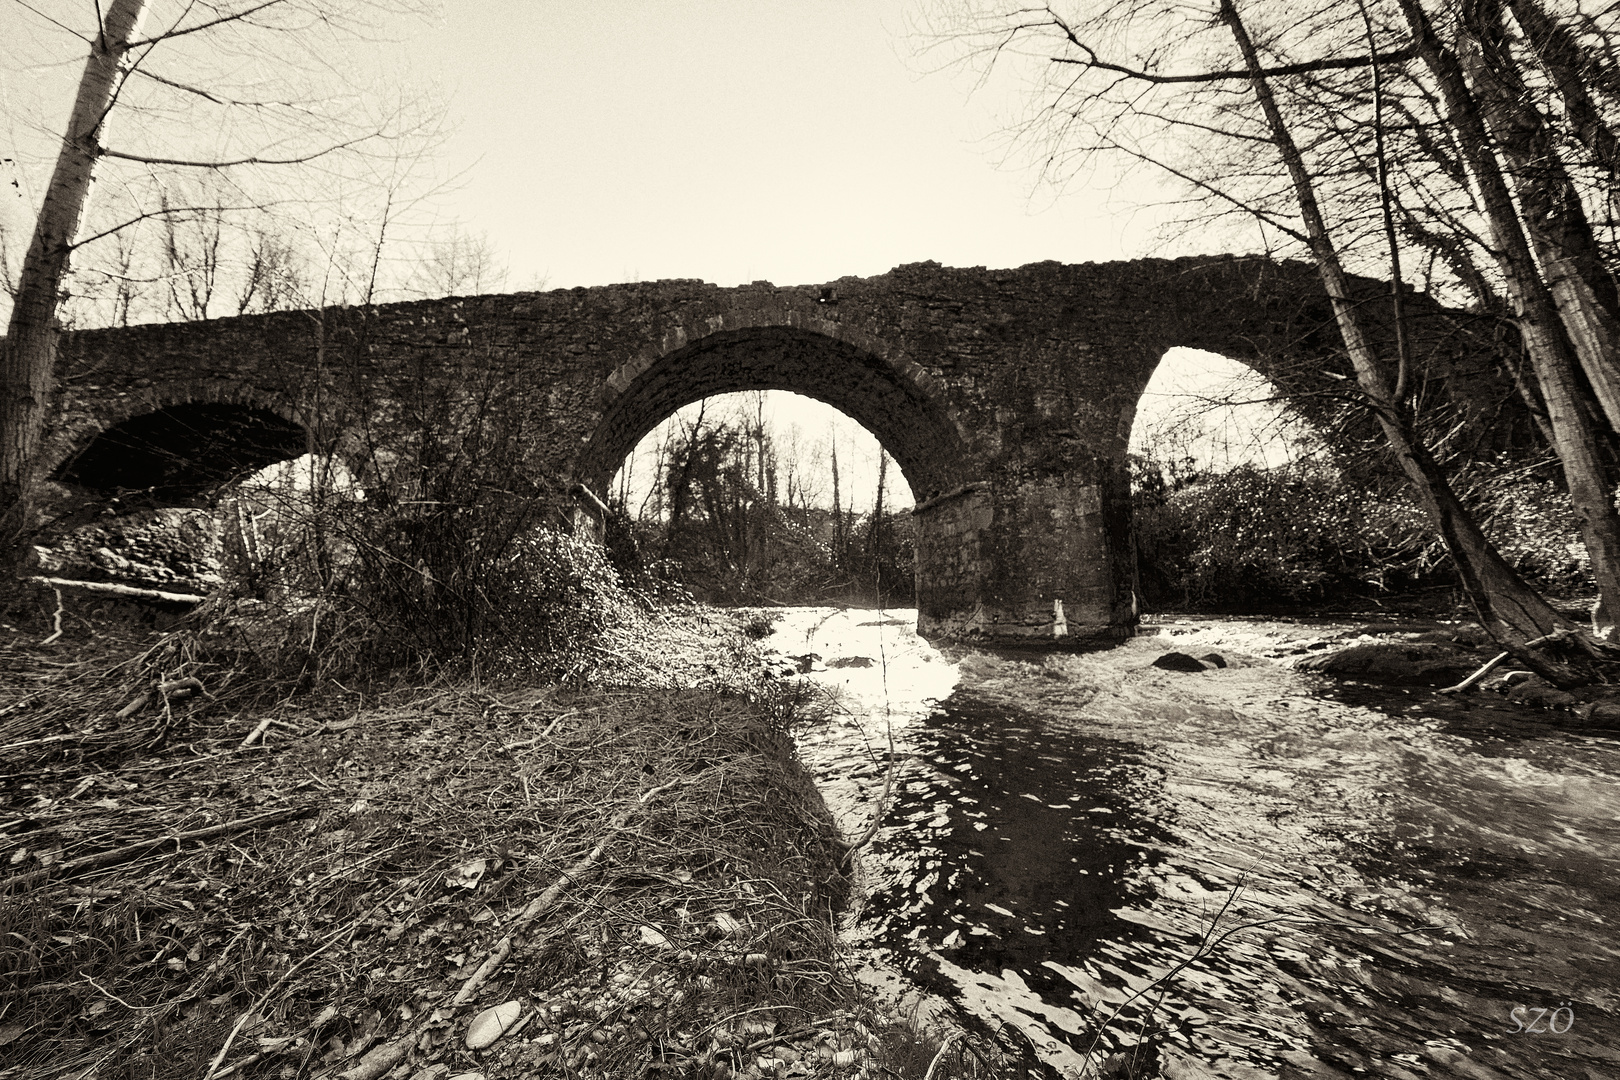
(1068, 831)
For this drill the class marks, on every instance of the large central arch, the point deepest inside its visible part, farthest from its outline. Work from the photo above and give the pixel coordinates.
(913, 425)
(913, 428)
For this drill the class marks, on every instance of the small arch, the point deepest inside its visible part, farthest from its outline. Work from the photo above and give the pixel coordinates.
(1221, 412)
(179, 452)
(912, 425)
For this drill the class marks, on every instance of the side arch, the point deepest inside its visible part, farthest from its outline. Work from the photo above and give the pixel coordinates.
(181, 450)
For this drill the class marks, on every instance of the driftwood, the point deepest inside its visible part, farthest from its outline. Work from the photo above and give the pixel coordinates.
(1472, 680)
(1491, 664)
(131, 852)
(119, 590)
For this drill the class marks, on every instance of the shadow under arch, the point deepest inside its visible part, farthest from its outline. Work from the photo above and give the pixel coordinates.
(179, 453)
(915, 429)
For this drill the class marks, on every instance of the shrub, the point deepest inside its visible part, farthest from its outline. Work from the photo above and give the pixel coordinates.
(1532, 522)
(1254, 538)
(553, 598)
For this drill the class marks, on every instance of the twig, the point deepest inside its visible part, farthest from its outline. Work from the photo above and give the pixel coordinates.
(781, 1036)
(559, 718)
(188, 684)
(131, 852)
(133, 707)
(57, 618)
(253, 735)
(115, 997)
(1484, 670)
(50, 739)
(940, 1056)
(117, 590)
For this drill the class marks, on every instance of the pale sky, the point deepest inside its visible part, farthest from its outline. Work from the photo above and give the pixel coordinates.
(740, 140)
(728, 140)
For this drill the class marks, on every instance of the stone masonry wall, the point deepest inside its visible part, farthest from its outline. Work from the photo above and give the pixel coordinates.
(1022, 382)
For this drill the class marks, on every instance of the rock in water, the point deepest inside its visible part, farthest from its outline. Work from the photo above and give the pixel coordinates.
(1214, 658)
(1605, 713)
(1398, 663)
(1179, 661)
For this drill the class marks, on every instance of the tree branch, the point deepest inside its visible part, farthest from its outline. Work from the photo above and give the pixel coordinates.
(1233, 75)
(229, 164)
(1203, 185)
(170, 211)
(237, 16)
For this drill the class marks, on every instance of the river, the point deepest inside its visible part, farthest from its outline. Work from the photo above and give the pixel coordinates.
(1247, 872)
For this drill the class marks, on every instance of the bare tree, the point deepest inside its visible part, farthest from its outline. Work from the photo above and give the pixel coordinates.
(125, 72)
(275, 275)
(458, 264)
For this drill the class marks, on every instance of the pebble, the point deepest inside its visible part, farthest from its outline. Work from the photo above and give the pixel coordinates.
(492, 1023)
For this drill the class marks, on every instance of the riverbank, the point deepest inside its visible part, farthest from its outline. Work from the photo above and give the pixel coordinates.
(628, 874)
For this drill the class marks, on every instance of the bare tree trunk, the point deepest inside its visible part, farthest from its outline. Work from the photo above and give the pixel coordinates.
(838, 517)
(1537, 315)
(1572, 70)
(1550, 207)
(1507, 607)
(877, 506)
(680, 478)
(29, 350)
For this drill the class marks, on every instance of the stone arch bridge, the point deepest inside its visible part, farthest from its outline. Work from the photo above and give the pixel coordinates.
(1005, 396)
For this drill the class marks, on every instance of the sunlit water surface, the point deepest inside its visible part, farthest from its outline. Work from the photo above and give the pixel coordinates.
(1245, 871)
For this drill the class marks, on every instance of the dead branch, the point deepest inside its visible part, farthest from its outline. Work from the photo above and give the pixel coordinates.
(253, 736)
(57, 631)
(131, 852)
(134, 706)
(1472, 680)
(252, 160)
(119, 590)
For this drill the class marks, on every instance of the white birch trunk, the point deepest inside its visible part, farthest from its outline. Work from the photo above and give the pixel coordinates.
(29, 350)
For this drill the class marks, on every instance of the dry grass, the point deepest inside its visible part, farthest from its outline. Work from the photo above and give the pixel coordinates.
(663, 875)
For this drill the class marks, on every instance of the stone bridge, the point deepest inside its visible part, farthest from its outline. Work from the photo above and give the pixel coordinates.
(1005, 396)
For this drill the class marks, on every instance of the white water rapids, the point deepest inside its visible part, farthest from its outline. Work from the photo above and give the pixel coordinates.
(1241, 873)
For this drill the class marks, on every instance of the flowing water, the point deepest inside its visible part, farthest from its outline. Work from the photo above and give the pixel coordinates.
(1241, 873)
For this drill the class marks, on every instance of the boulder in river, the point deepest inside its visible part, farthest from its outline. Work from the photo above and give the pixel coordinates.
(1179, 661)
(1537, 693)
(1398, 663)
(1603, 713)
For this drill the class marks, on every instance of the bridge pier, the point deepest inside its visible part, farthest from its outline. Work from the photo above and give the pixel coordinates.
(1040, 562)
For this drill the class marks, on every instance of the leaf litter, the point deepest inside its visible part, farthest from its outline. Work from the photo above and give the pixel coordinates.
(625, 874)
